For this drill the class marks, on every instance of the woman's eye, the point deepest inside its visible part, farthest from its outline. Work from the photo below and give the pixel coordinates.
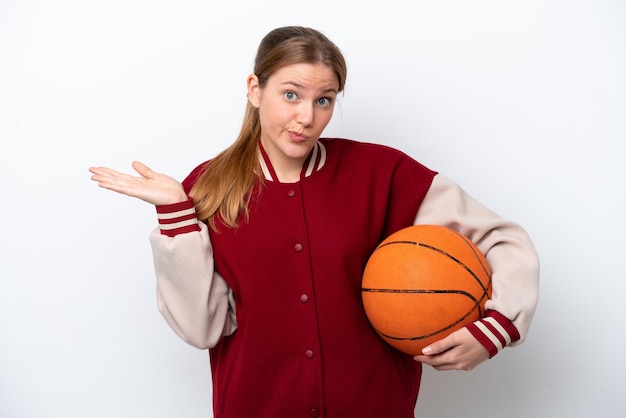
(324, 101)
(290, 95)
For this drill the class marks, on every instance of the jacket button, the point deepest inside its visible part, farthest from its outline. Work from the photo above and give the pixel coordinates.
(291, 193)
(304, 298)
(297, 247)
(308, 354)
(314, 412)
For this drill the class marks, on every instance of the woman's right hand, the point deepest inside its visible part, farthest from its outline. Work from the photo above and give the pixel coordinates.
(151, 187)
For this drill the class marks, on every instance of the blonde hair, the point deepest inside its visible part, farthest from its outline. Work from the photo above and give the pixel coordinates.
(224, 188)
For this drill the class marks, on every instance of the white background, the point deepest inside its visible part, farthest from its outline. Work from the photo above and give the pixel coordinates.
(522, 102)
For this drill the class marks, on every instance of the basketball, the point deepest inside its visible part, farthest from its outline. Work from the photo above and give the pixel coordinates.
(422, 283)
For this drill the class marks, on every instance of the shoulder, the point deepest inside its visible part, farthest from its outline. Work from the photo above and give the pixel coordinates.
(369, 153)
(363, 148)
(193, 176)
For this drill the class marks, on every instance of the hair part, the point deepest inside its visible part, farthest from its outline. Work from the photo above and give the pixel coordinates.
(224, 188)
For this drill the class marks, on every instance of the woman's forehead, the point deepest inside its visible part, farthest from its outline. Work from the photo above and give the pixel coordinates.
(316, 76)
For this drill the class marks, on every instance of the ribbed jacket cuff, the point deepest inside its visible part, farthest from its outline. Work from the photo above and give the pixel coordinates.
(177, 218)
(494, 332)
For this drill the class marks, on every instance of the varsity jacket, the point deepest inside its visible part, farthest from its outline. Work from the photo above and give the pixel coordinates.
(277, 300)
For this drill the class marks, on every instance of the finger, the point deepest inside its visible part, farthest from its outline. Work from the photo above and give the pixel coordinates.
(438, 347)
(444, 367)
(110, 179)
(110, 182)
(99, 170)
(423, 359)
(437, 362)
(143, 169)
(105, 172)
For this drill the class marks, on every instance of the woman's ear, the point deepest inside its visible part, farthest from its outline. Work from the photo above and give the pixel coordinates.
(254, 90)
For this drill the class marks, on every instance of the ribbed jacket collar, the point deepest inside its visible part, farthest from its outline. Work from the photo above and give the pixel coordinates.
(314, 162)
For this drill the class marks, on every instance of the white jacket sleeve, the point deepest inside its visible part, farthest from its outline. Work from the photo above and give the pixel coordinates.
(507, 247)
(192, 297)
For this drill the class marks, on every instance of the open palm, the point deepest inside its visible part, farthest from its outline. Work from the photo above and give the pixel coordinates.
(151, 187)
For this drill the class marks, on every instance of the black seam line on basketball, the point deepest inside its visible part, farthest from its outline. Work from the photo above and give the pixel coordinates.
(455, 323)
(421, 337)
(473, 249)
(477, 302)
(459, 262)
(434, 291)
(456, 260)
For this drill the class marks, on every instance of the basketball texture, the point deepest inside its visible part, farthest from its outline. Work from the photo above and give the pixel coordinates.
(423, 283)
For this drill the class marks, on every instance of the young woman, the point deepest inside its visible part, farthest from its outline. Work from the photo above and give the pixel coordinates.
(260, 251)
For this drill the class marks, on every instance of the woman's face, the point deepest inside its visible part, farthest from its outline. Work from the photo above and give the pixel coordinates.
(294, 108)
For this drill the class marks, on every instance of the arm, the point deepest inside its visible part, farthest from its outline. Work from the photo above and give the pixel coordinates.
(515, 273)
(192, 297)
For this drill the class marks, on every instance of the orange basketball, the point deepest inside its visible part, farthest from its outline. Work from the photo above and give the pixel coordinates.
(422, 283)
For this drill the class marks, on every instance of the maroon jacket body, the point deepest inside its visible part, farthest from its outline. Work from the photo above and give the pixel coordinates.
(304, 346)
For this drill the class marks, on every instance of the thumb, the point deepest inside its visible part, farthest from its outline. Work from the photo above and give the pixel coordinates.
(142, 169)
(438, 347)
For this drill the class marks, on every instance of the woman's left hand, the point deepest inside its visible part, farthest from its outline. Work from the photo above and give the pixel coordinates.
(458, 351)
